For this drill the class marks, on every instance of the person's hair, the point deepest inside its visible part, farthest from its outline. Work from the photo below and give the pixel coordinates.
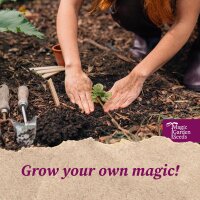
(159, 11)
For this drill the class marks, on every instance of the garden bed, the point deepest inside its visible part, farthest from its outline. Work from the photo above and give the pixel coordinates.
(162, 95)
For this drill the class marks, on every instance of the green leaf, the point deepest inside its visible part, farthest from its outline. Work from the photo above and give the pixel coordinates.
(103, 99)
(106, 96)
(13, 21)
(98, 91)
(94, 98)
(98, 87)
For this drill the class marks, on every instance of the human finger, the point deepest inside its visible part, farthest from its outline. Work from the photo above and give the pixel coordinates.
(84, 102)
(71, 97)
(78, 100)
(110, 105)
(90, 102)
(127, 103)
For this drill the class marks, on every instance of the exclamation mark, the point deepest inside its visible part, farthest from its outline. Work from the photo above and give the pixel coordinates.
(177, 170)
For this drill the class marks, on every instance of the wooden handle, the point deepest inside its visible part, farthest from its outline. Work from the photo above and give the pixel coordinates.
(23, 94)
(4, 99)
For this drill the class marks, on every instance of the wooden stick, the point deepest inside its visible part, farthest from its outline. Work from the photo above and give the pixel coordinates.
(46, 67)
(53, 92)
(51, 70)
(4, 116)
(47, 75)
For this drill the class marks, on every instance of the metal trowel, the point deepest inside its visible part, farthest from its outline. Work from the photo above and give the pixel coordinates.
(25, 132)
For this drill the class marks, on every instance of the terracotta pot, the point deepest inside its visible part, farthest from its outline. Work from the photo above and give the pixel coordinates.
(58, 55)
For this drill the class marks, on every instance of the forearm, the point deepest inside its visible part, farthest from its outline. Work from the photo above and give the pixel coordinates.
(187, 14)
(67, 25)
(169, 45)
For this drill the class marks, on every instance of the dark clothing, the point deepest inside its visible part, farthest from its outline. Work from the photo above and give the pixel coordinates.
(130, 14)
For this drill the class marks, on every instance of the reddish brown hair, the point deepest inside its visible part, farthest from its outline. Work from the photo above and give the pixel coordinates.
(159, 11)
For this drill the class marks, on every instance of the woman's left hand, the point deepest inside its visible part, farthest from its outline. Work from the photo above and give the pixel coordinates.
(125, 91)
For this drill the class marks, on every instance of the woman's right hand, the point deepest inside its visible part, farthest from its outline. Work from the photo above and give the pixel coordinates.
(78, 88)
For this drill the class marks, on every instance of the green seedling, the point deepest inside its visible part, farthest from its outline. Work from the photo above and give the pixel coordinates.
(99, 93)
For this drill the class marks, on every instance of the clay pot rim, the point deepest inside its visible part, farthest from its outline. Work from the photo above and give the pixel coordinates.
(56, 48)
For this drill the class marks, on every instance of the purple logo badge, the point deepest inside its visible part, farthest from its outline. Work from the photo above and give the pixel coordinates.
(182, 130)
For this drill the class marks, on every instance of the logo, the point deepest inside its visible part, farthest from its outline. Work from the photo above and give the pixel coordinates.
(182, 130)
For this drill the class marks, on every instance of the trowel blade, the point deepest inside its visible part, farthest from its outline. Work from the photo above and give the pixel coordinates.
(25, 134)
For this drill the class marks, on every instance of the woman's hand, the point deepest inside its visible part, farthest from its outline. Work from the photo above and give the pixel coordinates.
(125, 91)
(78, 88)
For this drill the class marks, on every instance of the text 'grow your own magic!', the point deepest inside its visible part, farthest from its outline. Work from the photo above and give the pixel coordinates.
(63, 173)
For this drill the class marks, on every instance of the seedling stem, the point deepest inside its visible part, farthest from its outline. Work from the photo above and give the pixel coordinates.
(99, 95)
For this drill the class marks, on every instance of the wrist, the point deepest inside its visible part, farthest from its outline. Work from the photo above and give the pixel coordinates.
(75, 67)
(139, 73)
(70, 64)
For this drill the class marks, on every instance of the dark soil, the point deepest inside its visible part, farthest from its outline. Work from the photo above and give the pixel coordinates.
(163, 95)
(8, 135)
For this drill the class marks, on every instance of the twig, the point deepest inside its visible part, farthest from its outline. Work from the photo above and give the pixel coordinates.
(115, 123)
(67, 106)
(104, 138)
(96, 44)
(47, 75)
(141, 124)
(159, 124)
(181, 101)
(122, 116)
(53, 92)
(124, 58)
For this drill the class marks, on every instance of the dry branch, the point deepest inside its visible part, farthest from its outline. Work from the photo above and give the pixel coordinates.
(122, 57)
(53, 92)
